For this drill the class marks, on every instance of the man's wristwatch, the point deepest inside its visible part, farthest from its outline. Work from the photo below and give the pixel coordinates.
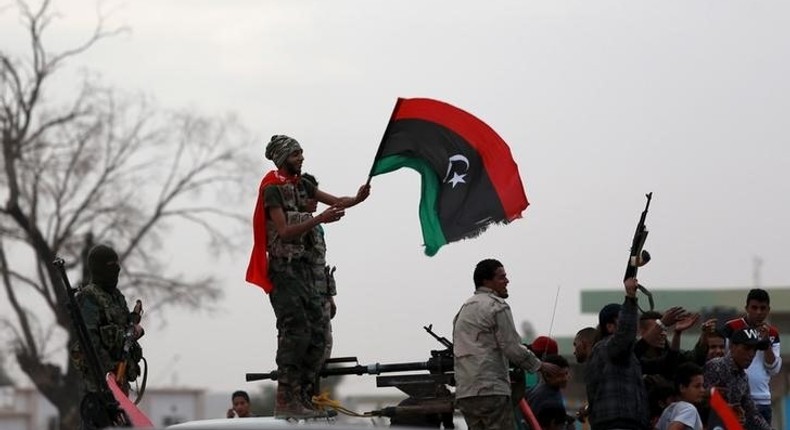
(660, 324)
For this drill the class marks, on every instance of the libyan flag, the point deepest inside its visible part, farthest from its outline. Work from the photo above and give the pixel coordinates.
(469, 178)
(722, 417)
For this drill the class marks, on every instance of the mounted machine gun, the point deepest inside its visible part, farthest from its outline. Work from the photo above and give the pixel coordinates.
(429, 396)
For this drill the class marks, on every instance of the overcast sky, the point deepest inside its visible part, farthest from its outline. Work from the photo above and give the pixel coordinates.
(600, 103)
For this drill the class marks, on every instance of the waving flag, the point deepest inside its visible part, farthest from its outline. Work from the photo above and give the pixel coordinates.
(469, 178)
(529, 416)
(721, 417)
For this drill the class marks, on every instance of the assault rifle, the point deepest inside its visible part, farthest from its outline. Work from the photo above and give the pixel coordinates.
(639, 256)
(113, 408)
(428, 392)
(443, 340)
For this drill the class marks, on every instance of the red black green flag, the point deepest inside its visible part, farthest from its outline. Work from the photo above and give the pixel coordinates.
(469, 178)
(721, 414)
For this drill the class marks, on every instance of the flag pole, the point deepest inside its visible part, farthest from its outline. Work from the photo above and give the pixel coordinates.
(386, 133)
(554, 312)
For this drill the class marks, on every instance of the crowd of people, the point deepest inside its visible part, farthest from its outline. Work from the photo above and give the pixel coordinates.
(635, 376)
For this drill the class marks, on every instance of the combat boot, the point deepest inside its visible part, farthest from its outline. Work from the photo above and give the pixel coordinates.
(306, 397)
(288, 404)
(307, 394)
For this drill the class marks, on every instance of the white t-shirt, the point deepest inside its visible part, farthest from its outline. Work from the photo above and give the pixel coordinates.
(683, 412)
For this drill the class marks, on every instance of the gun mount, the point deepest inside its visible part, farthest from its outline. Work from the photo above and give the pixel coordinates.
(430, 400)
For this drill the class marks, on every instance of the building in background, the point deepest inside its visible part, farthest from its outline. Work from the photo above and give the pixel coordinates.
(26, 409)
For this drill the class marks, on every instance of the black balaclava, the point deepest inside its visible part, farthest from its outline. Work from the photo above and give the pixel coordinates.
(103, 266)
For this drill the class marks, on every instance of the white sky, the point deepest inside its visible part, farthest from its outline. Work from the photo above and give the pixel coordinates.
(600, 103)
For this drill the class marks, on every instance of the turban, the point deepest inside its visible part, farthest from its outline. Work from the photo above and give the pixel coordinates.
(280, 147)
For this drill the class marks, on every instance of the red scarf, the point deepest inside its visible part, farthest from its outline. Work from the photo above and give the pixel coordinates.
(258, 268)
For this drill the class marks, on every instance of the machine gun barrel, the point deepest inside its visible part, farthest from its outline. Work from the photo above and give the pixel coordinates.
(436, 364)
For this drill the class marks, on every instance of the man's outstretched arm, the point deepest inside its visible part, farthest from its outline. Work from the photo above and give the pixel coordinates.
(343, 202)
(289, 231)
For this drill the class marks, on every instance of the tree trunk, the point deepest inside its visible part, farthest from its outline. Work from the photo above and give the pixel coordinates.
(70, 417)
(63, 391)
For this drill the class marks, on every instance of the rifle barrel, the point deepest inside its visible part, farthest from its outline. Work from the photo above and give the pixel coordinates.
(370, 369)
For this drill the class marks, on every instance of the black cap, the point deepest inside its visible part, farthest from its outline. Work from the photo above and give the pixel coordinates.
(749, 336)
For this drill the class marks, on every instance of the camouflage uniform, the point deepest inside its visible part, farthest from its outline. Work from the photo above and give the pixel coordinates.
(324, 283)
(106, 317)
(296, 303)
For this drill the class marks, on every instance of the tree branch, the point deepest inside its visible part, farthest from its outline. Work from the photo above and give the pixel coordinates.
(27, 339)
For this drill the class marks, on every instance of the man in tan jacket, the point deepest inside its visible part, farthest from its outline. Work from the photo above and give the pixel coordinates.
(485, 342)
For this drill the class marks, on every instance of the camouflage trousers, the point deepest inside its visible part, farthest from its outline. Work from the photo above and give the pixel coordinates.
(487, 412)
(300, 335)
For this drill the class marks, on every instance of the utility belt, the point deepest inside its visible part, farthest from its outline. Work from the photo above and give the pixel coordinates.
(282, 264)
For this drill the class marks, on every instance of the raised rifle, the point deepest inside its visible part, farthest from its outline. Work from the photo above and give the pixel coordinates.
(110, 413)
(639, 256)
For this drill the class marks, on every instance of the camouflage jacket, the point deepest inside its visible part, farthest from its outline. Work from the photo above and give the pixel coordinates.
(291, 198)
(310, 247)
(106, 316)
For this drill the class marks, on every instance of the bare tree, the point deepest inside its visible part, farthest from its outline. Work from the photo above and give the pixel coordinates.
(104, 167)
(5, 379)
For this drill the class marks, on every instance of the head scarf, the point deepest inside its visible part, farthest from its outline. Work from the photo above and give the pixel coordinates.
(280, 147)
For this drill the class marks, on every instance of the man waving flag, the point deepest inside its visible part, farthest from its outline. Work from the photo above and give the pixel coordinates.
(469, 178)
